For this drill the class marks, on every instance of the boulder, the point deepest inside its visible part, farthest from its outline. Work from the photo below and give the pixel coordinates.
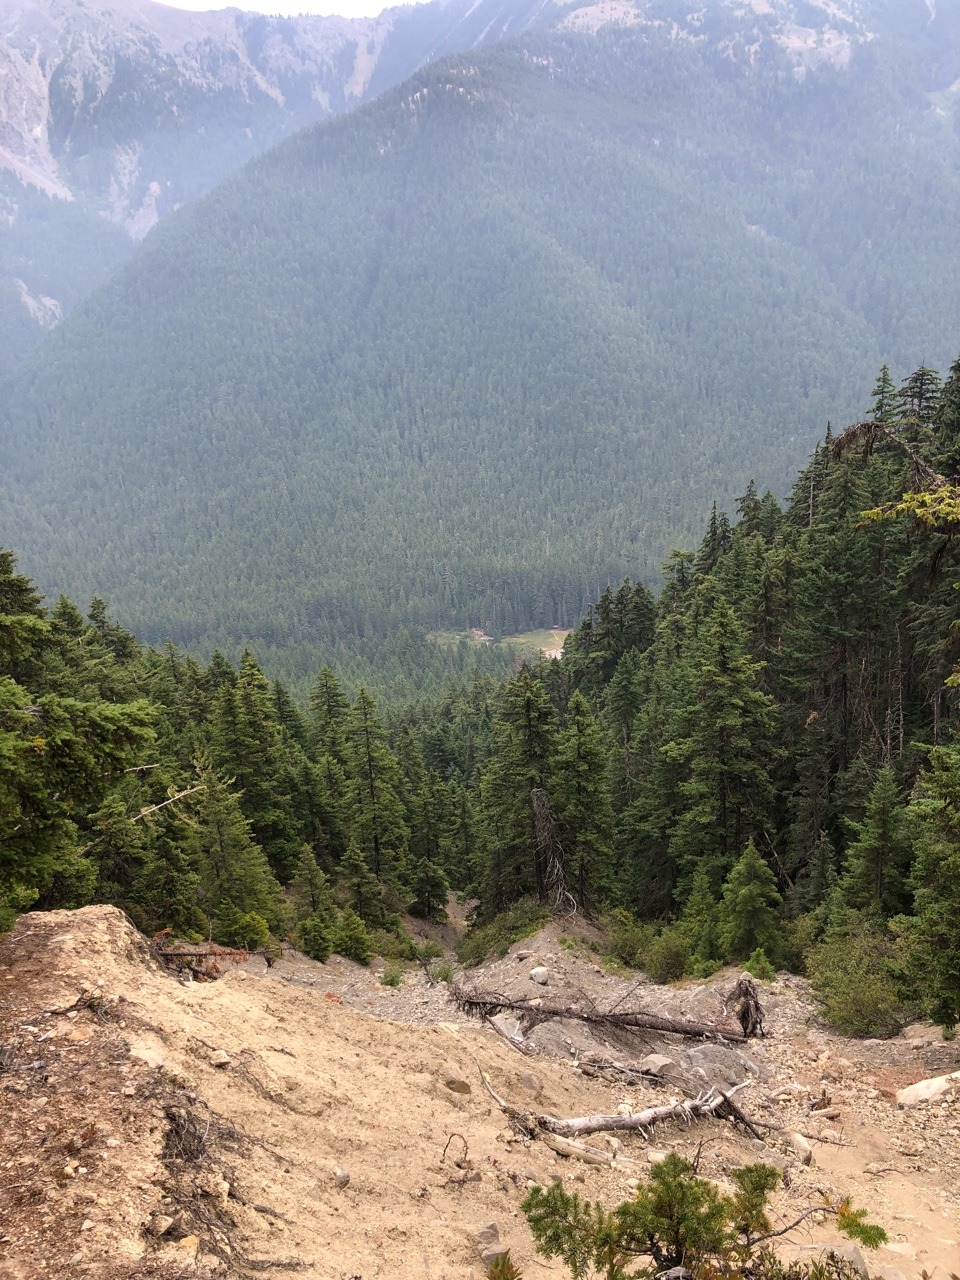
(456, 1084)
(540, 975)
(656, 1064)
(931, 1090)
(802, 1147)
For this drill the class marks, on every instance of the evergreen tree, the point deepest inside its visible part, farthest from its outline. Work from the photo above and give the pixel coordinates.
(582, 806)
(934, 933)
(749, 908)
(361, 887)
(877, 860)
(377, 821)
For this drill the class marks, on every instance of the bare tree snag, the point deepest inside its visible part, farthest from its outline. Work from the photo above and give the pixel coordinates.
(486, 1004)
(744, 1001)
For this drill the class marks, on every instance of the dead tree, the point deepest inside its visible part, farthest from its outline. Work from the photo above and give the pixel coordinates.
(744, 1002)
(486, 1004)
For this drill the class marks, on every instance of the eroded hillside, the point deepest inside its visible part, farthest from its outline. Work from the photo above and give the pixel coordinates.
(308, 1117)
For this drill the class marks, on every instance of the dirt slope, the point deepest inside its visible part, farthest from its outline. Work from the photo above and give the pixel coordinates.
(164, 1129)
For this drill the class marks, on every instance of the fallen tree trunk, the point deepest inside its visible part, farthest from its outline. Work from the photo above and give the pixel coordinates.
(694, 1108)
(536, 1125)
(487, 1004)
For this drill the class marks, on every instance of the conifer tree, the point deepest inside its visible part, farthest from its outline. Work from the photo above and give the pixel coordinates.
(248, 747)
(235, 878)
(725, 746)
(877, 860)
(377, 821)
(749, 908)
(581, 801)
(361, 887)
(934, 933)
(523, 757)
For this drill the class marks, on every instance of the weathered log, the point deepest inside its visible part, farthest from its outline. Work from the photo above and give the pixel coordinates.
(486, 1004)
(710, 1104)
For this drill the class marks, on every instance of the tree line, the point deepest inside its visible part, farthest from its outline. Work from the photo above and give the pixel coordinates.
(760, 765)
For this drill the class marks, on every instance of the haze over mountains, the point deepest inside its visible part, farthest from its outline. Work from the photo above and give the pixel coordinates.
(115, 112)
(466, 353)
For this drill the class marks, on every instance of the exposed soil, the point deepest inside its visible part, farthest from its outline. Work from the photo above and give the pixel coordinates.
(151, 1128)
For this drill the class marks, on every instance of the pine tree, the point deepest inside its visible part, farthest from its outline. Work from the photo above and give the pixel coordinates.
(581, 801)
(235, 877)
(377, 821)
(934, 934)
(749, 908)
(700, 919)
(886, 403)
(248, 747)
(361, 887)
(877, 860)
(725, 747)
(525, 744)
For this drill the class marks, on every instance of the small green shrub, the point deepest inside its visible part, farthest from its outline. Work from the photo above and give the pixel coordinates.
(758, 966)
(568, 944)
(426, 950)
(391, 944)
(853, 974)
(313, 936)
(442, 971)
(245, 929)
(520, 921)
(629, 938)
(392, 975)
(667, 958)
(349, 937)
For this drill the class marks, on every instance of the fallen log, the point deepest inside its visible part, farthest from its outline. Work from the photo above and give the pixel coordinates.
(691, 1109)
(487, 1004)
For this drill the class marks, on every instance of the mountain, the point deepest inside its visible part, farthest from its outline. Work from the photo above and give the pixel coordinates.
(462, 355)
(113, 113)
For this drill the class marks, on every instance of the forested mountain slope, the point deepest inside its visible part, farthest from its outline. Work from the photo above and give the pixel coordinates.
(462, 355)
(115, 112)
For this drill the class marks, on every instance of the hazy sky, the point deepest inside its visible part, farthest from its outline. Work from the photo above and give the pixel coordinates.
(345, 8)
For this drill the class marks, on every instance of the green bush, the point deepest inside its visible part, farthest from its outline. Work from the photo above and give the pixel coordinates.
(680, 1220)
(760, 967)
(853, 974)
(349, 937)
(442, 971)
(392, 975)
(314, 936)
(667, 958)
(245, 929)
(629, 938)
(520, 921)
(391, 944)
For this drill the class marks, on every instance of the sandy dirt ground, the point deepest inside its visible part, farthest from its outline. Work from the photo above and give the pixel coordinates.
(308, 1120)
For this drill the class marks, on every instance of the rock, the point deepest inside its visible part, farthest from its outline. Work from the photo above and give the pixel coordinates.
(540, 975)
(219, 1058)
(87, 1225)
(189, 1244)
(524, 955)
(850, 1253)
(802, 1148)
(486, 1237)
(489, 1256)
(152, 1057)
(160, 1224)
(931, 1090)
(887, 1273)
(341, 1178)
(456, 1084)
(656, 1157)
(531, 1084)
(129, 1090)
(655, 1064)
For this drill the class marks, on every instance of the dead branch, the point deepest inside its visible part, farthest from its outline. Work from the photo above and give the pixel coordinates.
(513, 1041)
(745, 1004)
(486, 1004)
